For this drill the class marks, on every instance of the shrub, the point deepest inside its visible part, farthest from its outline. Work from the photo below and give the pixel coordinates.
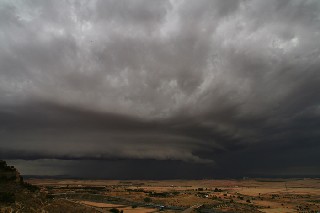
(49, 196)
(7, 197)
(147, 199)
(217, 190)
(30, 187)
(114, 210)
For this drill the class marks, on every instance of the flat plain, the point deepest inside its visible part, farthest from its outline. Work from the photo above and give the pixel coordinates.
(144, 196)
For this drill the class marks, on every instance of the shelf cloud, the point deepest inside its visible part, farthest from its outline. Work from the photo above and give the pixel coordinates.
(228, 85)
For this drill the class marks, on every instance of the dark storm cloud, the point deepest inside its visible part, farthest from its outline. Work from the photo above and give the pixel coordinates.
(45, 130)
(230, 84)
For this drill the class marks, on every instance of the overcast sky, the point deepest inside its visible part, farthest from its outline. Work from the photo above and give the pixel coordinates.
(193, 88)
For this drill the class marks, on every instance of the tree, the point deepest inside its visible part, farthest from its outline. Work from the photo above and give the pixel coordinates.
(114, 210)
(147, 199)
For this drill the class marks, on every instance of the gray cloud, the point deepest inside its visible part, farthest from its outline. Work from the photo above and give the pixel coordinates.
(225, 83)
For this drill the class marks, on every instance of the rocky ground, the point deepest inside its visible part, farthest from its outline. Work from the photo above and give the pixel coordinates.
(19, 196)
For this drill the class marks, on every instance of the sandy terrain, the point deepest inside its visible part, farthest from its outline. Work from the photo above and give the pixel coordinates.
(128, 209)
(101, 205)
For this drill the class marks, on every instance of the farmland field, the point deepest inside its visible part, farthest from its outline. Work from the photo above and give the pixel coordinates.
(142, 196)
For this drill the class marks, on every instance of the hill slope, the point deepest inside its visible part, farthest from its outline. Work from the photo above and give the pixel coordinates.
(19, 196)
